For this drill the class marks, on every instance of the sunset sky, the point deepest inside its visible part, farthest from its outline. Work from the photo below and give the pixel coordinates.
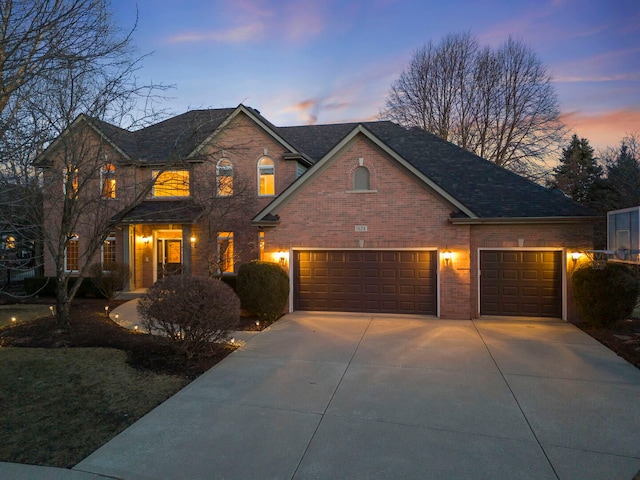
(328, 61)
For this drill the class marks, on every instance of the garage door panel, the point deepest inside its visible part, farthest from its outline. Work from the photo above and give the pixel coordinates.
(372, 281)
(525, 283)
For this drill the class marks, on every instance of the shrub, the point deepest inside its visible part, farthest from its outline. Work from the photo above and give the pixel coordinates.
(606, 295)
(263, 288)
(190, 311)
(110, 279)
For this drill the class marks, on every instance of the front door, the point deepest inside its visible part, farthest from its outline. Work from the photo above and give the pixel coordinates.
(169, 257)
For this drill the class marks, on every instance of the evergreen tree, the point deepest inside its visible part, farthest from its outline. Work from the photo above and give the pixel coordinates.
(578, 175)
(623, 177)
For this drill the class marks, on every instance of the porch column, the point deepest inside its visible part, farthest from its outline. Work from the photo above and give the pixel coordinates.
(187, 249)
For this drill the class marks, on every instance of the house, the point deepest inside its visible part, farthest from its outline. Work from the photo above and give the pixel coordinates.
(365, 217)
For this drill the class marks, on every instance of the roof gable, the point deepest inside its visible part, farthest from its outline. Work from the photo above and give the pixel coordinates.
(267, 214)
(476, 187)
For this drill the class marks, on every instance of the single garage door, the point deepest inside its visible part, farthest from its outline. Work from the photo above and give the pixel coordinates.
(521, 283)
(366, 281)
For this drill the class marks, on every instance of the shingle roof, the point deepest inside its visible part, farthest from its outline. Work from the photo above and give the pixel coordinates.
(175, 137)
(166, 211)
(487, 190)
(484, 188)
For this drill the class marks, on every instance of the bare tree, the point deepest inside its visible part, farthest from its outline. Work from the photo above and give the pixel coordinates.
(497, 103)
(65, 66)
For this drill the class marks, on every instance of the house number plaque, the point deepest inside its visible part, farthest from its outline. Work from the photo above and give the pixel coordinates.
(361, 228)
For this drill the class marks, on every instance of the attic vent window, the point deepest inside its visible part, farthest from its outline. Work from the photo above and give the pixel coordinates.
(361, 179)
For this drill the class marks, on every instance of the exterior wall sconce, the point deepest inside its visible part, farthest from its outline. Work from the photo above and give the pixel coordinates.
(282, 257)
(447, 256)
(145, 240)
(193, 240)
(575, 256)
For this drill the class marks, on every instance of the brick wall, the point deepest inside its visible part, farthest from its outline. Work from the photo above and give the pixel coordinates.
(398, 211)
(401, 212)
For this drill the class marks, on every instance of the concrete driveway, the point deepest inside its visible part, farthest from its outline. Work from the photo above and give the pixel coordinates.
(358, 396)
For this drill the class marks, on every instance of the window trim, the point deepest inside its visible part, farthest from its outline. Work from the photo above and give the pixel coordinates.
(157, 174)
(108, 175)
(74, 182)
(262, 167)
(229, 255)
(363, 179)
(228, 165)
(75, 240)
(110, 238)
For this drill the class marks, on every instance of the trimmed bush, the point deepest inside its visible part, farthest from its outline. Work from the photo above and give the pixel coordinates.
(263, 288)
(606, 295)
(110, 279)
(190, 311)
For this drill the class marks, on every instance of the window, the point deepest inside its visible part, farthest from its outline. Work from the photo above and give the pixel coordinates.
(70, 182)
(172, 183)
(108, 181)
(266, 176)
(9, 242)
(361, 179)
(71, 255)
(224, 178)
(109, 251)
(225, 252)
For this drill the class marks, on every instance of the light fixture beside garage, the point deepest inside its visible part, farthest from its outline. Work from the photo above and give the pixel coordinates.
(575, 256)
(447, 256)
(282, 257)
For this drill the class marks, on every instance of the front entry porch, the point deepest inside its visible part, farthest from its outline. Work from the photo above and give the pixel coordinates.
(156, 251)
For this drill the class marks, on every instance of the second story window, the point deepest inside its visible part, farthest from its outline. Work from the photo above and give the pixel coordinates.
(70, 182)
(171, 183)
(224, 178)
(108, 181)
(266, 177)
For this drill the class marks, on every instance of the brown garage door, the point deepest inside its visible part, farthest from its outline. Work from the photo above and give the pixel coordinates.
(365, 281)
(521, 283)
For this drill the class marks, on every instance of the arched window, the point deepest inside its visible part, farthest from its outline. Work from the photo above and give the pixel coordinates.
(224, 178)
(361, 179)
(266, 177)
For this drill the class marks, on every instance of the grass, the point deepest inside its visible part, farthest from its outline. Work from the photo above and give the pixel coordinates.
(21, 312)
(59, 405)
(65, 392)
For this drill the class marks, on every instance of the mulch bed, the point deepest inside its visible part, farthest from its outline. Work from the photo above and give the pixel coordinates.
(90, 327)
(623, 338)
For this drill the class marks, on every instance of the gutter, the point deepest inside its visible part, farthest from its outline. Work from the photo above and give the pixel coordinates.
(521, 220)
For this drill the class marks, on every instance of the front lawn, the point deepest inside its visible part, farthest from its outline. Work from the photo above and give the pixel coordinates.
(61, 404)
(66, 392)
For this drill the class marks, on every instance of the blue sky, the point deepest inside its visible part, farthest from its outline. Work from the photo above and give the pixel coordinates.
(328, 61)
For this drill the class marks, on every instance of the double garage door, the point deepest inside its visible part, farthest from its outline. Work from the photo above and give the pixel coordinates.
(521, 283)
(366, 281)
(512, 282)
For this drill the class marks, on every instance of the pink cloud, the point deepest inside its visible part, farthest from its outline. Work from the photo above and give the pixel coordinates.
(240, 34)
(294, 21)
(604, 129)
